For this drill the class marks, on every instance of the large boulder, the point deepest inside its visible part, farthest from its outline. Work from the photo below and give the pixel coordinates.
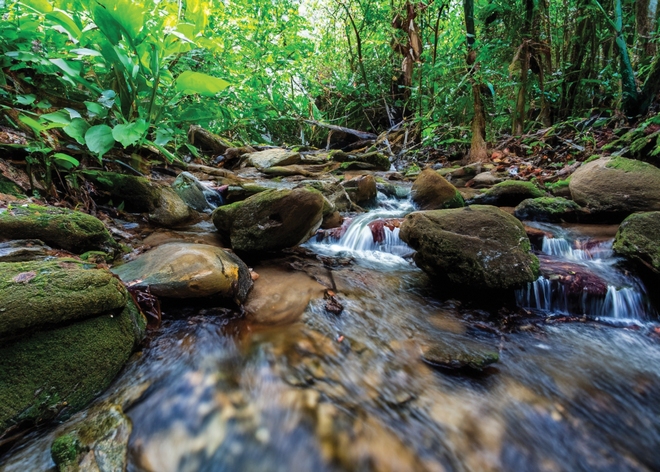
(334, 192)
(271, 220)
(509, 193)
(140, 195)
(361, 190)
(479, 246)
(272, 158)
(373, 160)
(186, 270)
(65, 229)
(66, 331)
(431, 191)
(638, 239)
(617, 186)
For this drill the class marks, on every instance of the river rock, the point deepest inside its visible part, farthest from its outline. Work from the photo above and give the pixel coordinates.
(509, 193)
(334, 192)
(638, 239)
(361, 190)
(271, 220)
(140, 195)
(550, 209)
(460, 359)
(431, 191)
(576, 279)
(272, 158)
(195, 194)
(479, 246)
(23, 250)
(66, 332)
(616, 186)
(186, 270)
(66, 229)
(365, 161)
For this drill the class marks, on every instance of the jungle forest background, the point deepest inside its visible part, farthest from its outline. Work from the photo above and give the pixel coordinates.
(81, 80)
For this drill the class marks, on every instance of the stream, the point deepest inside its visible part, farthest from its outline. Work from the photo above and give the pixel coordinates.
(292, 386)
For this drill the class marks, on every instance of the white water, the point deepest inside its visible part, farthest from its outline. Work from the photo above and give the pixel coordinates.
(358, 240)
(625, 298)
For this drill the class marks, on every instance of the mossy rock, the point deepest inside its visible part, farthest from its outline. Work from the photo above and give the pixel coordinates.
(194, 193)
(550, 209)
(509, 193)
(361, 190)
(367, 161)
(638, 239)
(431, 191)
(40, 294)
(616, 186)
(56, 372)
(334, 193)
(164, 206)
(60, 227)
(237, 193)
(270, 220)
(479, 246)
(8, 187)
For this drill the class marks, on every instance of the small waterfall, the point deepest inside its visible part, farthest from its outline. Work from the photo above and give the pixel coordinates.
(580, 277)
(371, 238)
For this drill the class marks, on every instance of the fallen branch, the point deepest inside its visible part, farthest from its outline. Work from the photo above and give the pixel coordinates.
(354, 132)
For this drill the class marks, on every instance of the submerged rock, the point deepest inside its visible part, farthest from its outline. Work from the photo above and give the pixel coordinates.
(431, 191)
(164, 206)
(550, 209)
(638, 239)
(271, 220)
(509, 193)
(185, 270)
(479, 246)
(65, 229)
(459, 359)
(616, 186)
(67, 331)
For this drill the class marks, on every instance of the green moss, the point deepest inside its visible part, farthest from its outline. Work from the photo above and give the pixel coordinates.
(629, 165)
(551, 209)
(559, 185)
(36, 293)
(456, 201)
(638, 239)
(10, 188)
(57, 372)
(591, 158)
(64, 450)
(60, 227)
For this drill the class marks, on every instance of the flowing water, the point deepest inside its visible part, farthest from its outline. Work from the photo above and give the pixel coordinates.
(292, 386)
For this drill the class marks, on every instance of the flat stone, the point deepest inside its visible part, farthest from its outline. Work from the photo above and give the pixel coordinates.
(272, 157)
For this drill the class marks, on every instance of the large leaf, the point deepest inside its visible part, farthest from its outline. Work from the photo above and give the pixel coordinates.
(99, 139)
(65, 161)
(77, 129)
(64, 20)
(191, 83)
(131, 133)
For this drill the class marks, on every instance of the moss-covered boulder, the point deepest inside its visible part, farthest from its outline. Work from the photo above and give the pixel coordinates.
(509, 193)
(366, 161)
(479, 246)
(140, 195)
(431, 191)
(550, 209)
(361, 190)
(185, 270)
(334, 192)
(60, 227)
(271, 220)
(638, 239)
(616, 186)
(54, 361)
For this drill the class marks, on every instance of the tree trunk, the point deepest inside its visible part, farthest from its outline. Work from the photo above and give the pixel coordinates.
(646, 12)
(478, 149)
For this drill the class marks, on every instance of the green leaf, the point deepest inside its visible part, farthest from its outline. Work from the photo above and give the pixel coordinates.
(131, 133)
(107, 98)
(96, 109)
(77, 130)
(32, 123)
(65, 161)
(64, 20)
(99, 139)
(26, 99)
(69, 68)
(190, 83)
(57, 117)
(164, 136)
(42, 6)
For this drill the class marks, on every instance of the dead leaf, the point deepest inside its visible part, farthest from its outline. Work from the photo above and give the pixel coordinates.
(24, 277)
